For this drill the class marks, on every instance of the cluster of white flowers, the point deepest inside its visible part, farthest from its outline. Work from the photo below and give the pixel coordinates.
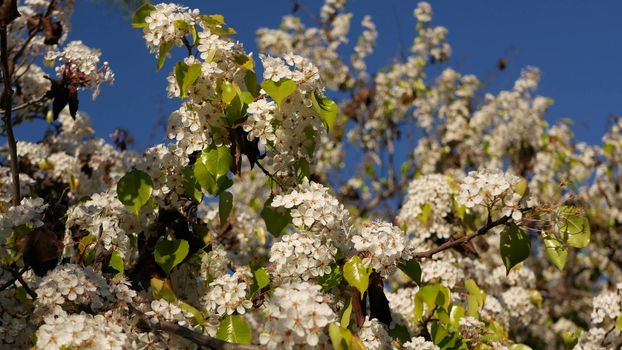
(71, 286)
(79, 65)
(374, 335)
(227, 294)
(28, 213)
(426, 207)
(296, 317)
(419, 343)
(109, 221)
(492, 189)
(162, 310)
(431, 40)
(162, 28)
(607, 305)
(316, 210)
(443, 269)
(68, 331)
(319, 44)
(383, 244)
(364, 47)
(301, 256)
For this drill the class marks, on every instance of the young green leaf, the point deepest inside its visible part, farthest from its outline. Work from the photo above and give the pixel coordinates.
(134, 190)
(186, 76)
(138, 20)
(276, 219)
(234, 329)
(163, 51)
(574, 227)
(412, 269)
(279, 90)
(340, 337)
(116, 262)
(217, 160)
(332, 279)
(224, 206)
(514, 246)
(476, 298)
(162, 289)
(356, 274)
(262, 277)
(432, 295)
(346, 314)
(169, 254)
(556, 250)
(191, 186)
(326, 108)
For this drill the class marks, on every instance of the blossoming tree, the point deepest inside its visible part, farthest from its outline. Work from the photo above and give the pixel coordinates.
(252, 229)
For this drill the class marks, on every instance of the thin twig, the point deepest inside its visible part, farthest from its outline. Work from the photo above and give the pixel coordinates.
(7, 96)
(29, 103)
(195, 337)
(449, 244)
(30, 292)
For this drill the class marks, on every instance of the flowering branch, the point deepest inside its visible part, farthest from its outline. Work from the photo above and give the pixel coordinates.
(195, 337)
(463, 240)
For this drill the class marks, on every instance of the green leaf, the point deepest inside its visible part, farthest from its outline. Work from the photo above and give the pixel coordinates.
(426, 211)
(251, 83)
(619, 323)
(514, 245)
(456, 314)
(205, 179)
(245, 62)
(279, 90)
(400, 332)
(186, 76)
(196, 314)
(116, 262)
(217, 160)
(346, 315)
(432, 295)
(475, 299)
(520, 347)
(332, 279)
(191, 186)
(234, 329)
(138, 20)
(340, 337)
(162, 289)
(356, 274)
(224, 206)
(276, 219)
(326, 108)
(574, 227)
(163, 51)
(412, 269)
(229, 92)
(169, 254)
(262, 277)
(556, 250)
(134, 190)
(302, 170)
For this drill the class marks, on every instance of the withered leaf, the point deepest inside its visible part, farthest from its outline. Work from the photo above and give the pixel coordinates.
(40, 249)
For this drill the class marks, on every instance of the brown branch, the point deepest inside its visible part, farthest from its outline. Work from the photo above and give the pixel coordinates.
(463, 240)
(358, 307)
(195, 337)
(6, 97)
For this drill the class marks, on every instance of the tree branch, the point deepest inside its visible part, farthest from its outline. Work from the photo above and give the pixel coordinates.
(193, 336)
(449, 244)
(6, 98)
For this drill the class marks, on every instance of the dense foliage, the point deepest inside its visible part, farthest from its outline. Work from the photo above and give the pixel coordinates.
(470, 222)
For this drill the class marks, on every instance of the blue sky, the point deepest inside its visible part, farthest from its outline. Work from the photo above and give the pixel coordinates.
(576, 44)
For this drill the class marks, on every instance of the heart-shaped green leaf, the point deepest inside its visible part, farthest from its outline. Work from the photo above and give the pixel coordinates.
(279, 90)
(169, 254)
(134, 190)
